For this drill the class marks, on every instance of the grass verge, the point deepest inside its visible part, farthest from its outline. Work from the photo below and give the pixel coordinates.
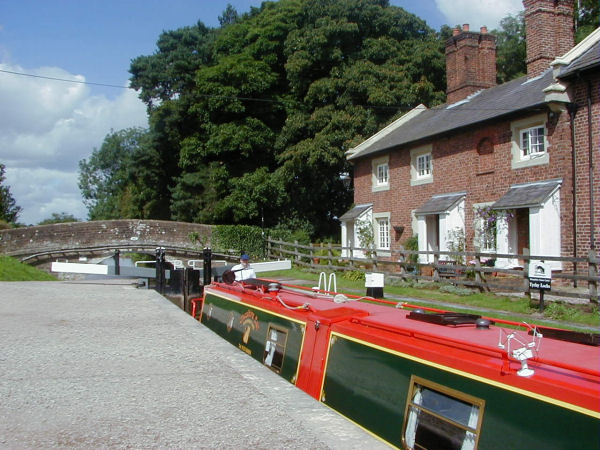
(13, 270)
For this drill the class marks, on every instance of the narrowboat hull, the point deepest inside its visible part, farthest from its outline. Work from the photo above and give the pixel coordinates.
(410, 382)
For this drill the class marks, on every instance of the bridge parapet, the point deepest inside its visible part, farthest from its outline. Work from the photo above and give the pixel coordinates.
(127, 233)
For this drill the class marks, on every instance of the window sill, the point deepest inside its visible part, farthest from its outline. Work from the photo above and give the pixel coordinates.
(420, 181)
(380, 188)
(540, 160)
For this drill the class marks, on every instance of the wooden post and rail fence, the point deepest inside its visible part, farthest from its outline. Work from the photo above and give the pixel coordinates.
(470, 269)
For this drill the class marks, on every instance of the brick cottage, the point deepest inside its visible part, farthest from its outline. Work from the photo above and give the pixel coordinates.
(503, 167)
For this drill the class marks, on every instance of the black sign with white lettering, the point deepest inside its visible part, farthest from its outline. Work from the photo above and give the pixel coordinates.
(539, 283)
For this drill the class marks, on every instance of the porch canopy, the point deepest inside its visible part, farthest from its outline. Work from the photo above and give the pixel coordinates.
(527, 195)
(440, 203)
(355, 212)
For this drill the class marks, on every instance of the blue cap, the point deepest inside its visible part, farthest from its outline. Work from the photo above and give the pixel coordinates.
(244, 257)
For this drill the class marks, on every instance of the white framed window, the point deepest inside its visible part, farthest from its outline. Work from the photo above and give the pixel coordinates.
(383, 228)
(440, 417)
(421, 165)
(529, 142)
(381, 222)
(275, 347)
(380, 174)
(424, 165)
(532, 141)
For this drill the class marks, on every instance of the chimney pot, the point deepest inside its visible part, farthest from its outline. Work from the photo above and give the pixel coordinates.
(470, 63)
(483, 29)
(549, 32)
(455, 31)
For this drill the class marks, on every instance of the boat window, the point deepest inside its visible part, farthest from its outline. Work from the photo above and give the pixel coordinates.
(438, 417)
(275, 347)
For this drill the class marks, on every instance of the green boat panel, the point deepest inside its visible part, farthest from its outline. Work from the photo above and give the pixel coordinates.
(271, 339)
(370, 386)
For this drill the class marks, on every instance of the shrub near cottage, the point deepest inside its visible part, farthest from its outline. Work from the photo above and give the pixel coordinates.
(353, 275)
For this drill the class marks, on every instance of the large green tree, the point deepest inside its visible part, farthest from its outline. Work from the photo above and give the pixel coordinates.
(352, 66)
(9, 211)
(250, 122)
(122, 179)
(239, 110)
(260, 122)
(166, 82)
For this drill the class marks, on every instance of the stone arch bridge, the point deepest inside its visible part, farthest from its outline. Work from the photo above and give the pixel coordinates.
(44, 243)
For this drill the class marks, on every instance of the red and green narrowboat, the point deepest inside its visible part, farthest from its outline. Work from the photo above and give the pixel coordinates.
(418, 378)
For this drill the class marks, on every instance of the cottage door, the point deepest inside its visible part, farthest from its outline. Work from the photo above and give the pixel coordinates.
(433, 232)
(522, 219)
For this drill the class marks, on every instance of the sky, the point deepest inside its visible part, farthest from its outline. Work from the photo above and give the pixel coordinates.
(47, 126)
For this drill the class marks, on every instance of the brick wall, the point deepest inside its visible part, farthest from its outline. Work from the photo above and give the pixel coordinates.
(479, 161)
(549, 25)
(111, 232)
(583, 163)
(470, 63)
(457, 168)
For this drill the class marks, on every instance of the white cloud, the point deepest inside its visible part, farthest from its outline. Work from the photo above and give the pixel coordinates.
(46, 128)
(478, 13)
(41, 192)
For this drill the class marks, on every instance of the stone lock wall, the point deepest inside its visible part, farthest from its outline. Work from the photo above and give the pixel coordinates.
(31, 240)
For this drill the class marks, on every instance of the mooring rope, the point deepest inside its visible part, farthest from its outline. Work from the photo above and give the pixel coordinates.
(305, 306)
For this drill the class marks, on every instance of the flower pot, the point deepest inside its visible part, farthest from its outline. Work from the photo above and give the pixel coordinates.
(427, 271)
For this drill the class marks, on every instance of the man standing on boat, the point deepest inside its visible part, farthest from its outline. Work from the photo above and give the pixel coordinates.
(243, 271)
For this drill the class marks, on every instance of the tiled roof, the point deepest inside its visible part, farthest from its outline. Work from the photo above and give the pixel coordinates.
(492, 103)
(588, 60)
(528, 195)
(355, 212)
(440, 203)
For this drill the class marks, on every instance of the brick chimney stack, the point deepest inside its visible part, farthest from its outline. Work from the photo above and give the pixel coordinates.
(470, 62)
(549, 32)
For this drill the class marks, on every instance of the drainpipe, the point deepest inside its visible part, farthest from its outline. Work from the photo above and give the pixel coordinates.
(591, 164)
(572, 108)
(590, 158)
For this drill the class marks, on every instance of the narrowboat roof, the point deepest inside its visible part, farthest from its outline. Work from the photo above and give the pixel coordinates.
(564, 372)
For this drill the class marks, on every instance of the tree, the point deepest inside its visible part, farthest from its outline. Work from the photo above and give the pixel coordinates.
(251, 121)
(511, 44)
(108, 177)
(166, 81)
(62, 217)
(587, 18)
(230, 15)
(511, 50)
(237, 110)
(352, 67)
(169, 72)
(9, 211)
